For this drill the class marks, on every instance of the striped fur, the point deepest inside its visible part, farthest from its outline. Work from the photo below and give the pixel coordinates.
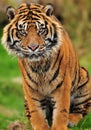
(57, 90)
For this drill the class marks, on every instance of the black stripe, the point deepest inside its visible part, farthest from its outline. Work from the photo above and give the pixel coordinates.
(59, 85)
(28, 74)
(46, 101)
(21, 17)
(79, 111)
(31, 78)
(27, 109)
(35, 14)
(33, 69)
(49, 105)
(38, 5)
(87, 105)
(77, 76)
(51, 30)
(35, 18)
(83, 102)
(17, 34)
(24, 9)
(73, 82)
(53, 42)
(46, 22)
(57, 71)
(80, 96)
(56, 59)
(81, 86)
(36, 99)
(76, 110)
(38, 68)
(33, 111)
(21, 7)
(31, 15)
(29, 85)
(55, 74)
(14, 42)
(8, 38)
(21, 12)
(47, 66)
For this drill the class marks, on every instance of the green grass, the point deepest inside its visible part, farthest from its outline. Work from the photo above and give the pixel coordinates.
(11, 103)
(9, 63)
(11, 94)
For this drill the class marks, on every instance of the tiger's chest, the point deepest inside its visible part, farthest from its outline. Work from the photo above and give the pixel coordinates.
(44, 82)
(44, 77)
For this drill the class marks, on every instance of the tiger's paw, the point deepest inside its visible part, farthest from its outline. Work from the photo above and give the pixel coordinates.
(74, 119)
(17, 126)
(71, 124)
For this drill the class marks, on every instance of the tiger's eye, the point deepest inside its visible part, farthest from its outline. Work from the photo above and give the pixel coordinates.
(42, 25)
(23, 32)
(21, 26)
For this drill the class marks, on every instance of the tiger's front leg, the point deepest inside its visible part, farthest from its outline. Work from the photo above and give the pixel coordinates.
(35, 113)
(61, 110)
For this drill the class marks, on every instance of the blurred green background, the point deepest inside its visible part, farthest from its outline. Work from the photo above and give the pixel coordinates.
(76, 18)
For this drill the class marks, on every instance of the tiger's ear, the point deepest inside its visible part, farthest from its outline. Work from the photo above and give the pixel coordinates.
(10, 12)
(49, 9)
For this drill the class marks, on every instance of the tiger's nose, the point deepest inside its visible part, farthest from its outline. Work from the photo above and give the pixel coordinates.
(33, 46)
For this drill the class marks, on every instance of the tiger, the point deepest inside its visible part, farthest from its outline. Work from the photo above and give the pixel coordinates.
(57, 90)
(57, 5)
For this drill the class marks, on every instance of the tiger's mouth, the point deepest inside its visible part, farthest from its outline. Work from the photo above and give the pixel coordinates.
(26, 52)
(34, 56)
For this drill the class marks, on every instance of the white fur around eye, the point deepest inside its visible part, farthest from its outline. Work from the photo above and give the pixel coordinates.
(40, 24)
(22, 25)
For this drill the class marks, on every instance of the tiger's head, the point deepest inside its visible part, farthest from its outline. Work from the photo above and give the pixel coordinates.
(33, 31)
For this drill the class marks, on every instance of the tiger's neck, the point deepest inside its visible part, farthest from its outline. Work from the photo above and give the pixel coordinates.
(43, 74)
(37, 67)
(41, 66)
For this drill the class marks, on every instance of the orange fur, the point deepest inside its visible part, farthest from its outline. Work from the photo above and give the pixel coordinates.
(55, 86)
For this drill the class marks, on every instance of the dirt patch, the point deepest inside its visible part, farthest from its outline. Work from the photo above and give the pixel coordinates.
(17, 125)
(7, 112)
(17, 80)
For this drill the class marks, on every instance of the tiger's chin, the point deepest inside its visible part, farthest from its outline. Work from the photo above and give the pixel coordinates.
(34, 58)
(31, 58)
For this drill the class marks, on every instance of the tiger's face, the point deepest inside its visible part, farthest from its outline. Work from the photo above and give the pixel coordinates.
(33, 31)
